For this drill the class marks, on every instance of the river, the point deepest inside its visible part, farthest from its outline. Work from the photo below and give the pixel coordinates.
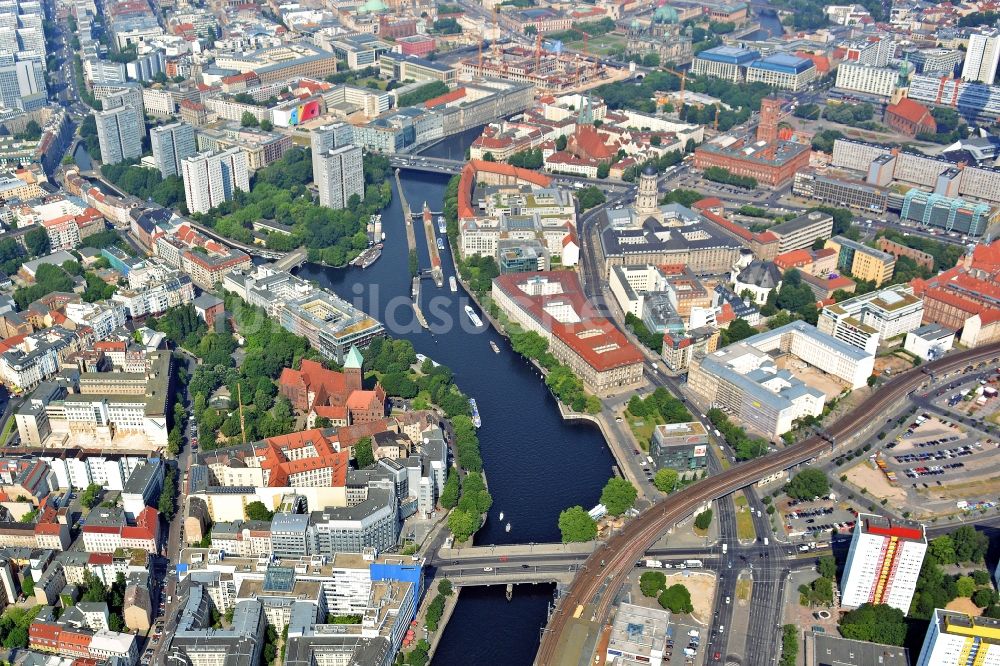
(770, 26)
(536, 463)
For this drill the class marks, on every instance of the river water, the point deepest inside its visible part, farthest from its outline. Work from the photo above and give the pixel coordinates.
(536, 464)
(770, 26)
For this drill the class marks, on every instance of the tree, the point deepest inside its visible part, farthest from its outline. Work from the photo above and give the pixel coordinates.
(970, 544)
(982, 597)
(91, 496)
(665, 479)
(603, 169)
(943, 549)
(449, 495)
(434, 612)
(874, 623)
(618, 496)
(789, 645)
(463, 524)
(37, 242)
(167, 505)
(561, 142)
(589, 197)
(807, 484)
(28, 585)
(828, 567)
(363, 455)
(266, 125)
(257, 511)
(966, 586)
(576, 525)
(676, 599)
(652, 583)
(981, 576)
(249, 120)
(444, 587)
(703, 519)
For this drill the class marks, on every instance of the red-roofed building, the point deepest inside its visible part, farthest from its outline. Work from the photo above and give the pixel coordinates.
(491, 173)
(554, 306)
(966, 297)
(447, 98)
(588, 143)
(337, 396)
(910, 118)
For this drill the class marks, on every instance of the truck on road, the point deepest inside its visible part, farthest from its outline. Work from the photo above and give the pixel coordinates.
(654, 564)
(693, 564)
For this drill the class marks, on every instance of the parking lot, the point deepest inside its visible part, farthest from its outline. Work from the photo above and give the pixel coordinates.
(935, 449)
(803, 519)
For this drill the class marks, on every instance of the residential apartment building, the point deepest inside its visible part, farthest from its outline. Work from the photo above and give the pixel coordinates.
(211, 178)
(956, 639)
(861, 261)
(172, 144)
(340, 176)
(883, 563)
(982, 57)
(865, 321)
(119, 134)
(261, 148)
(27, 359)
(106, 530)
(867, 79)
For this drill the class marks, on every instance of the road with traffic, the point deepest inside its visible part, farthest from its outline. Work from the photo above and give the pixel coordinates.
(607, 569)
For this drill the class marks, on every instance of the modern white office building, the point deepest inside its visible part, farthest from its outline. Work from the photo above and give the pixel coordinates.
(211, 178)
(957, 639)
(864, 321)
(982, 57)
(326, 138)
(171, 145)
(119, 134)
(883, 563)
(339, 175)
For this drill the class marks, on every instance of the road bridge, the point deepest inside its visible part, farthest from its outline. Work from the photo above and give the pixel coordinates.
(292, 260)
(619, 553)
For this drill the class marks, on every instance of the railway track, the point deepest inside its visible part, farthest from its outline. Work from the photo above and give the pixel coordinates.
(610, 565)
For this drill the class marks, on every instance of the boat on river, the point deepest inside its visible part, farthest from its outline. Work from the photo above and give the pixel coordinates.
(473, 317)
(441, 224)
(476, 420)
(493, 346)
(440, 243)
(453, 283)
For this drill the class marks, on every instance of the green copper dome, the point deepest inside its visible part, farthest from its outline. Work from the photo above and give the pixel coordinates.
(373, 7)
(665, 14)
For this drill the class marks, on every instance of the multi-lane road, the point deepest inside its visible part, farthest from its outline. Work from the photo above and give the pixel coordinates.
(607, 569)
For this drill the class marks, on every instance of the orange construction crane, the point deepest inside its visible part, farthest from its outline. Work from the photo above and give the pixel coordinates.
(683, 76)
(716, 116)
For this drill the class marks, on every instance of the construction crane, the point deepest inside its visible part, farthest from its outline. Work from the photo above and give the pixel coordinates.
(538, 50)
(683, 76)
(716, 126)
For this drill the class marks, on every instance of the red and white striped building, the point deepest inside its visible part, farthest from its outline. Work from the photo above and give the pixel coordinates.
(883, 563)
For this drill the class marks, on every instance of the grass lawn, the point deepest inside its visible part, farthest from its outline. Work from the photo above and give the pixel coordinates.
(603, 45)
(744, 521)
(642, 429)
(7, 429)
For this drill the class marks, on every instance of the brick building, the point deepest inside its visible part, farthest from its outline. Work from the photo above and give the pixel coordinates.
(909, 117)
(337, 396)
(767, 158)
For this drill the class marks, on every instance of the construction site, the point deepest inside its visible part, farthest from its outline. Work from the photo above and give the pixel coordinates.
(550, 71)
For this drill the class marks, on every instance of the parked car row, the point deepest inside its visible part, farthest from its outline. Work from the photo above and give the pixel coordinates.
(935, 470)
(957, 452)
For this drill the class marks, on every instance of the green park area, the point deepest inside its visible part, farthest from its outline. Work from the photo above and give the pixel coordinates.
(603, 45)
(744, 520)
